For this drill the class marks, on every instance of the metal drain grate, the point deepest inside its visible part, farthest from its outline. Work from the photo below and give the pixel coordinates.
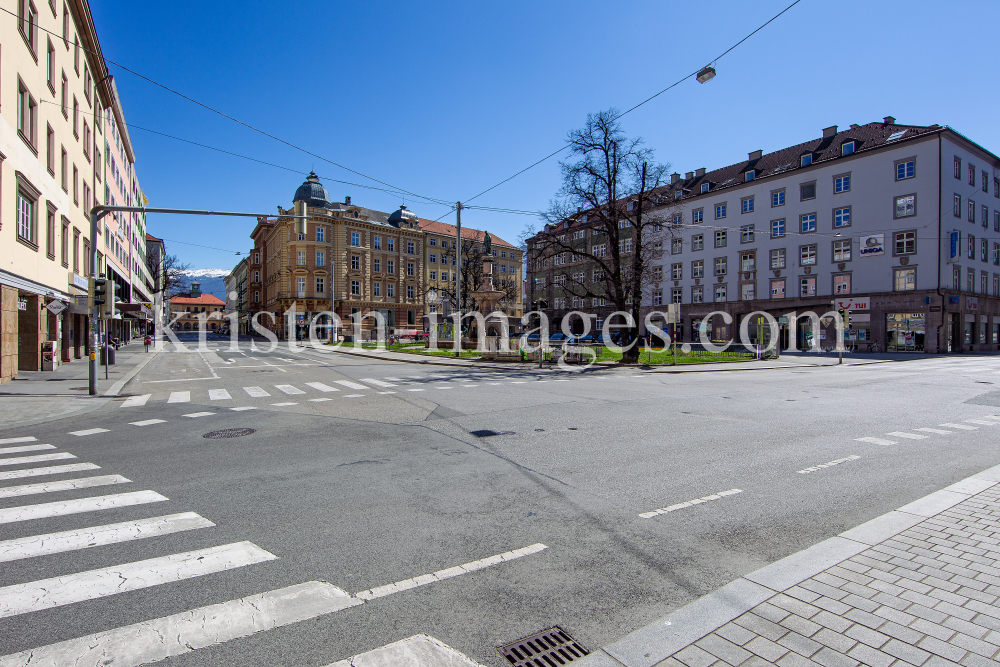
(229, 433)
(548, 648)
(487, 433)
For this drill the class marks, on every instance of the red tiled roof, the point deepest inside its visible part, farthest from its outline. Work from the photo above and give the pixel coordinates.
(203, 300)
(150, 237)
(445, 229)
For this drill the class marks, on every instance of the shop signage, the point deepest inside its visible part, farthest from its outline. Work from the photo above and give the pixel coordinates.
(873, 245)
(55, 306)
(78, 281)
(972, 303)
(22, 304)
(857, 303)
(954, 300)
(955, 246)
(861, 317)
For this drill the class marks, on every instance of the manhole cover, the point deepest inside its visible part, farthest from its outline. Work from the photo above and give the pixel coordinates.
(229, 433)
(547, 648)
(486, 433)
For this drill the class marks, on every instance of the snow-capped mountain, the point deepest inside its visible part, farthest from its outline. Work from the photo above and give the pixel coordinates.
(212, 280)
(207, 273)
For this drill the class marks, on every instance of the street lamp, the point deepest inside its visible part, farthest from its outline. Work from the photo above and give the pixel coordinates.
(706, 74)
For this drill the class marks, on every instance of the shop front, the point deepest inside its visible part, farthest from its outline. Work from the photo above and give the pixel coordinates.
(905, 332)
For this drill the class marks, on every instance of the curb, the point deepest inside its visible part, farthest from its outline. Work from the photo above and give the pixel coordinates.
(655, 643)
(471, 364)
(119, 384)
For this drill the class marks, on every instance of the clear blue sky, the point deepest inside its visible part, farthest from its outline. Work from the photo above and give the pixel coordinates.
(446, 99)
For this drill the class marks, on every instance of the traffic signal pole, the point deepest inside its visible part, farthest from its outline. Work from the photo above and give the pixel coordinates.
(99, 212)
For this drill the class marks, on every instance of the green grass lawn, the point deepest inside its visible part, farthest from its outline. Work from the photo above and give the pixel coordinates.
(665, 356)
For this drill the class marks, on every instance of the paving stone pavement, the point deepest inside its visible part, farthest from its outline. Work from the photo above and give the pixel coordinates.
(929, 596)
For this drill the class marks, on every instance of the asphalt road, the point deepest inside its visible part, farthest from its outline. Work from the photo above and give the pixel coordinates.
(384, 480)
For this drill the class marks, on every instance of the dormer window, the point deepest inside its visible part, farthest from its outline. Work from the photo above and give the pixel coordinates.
(678, 194)
(705, 187)
(806, 160)
(750, 175)
(847, 148)
(631, 205)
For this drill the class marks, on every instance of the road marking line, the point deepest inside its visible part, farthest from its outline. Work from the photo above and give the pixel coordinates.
(877, 441)
(493, 384)
(35, 459)
(442, 387)
(382, 393)
(89, 431)
(241, 409)
(92, 504)
(68, 589)
(962, 427)
(350, 385)
(395, 379)
(320, 386)
(199, 414)
(11, 441)
(981, 421)
(72, 540)
(470, 385)
(852, 457)
(49, 470)
(61, 485)
(519, 382)
(441, 575)
(689, 503)
(319, 400)
(910, 436)
(414, 390)
(25, 448)
(281, 405)
(378, 383)
(934, 430)
(148, 422)
(135, 401)
(179, 397)
(161, 638)
(355, 396)
(288, 389)
(256, 392)
(218, 395)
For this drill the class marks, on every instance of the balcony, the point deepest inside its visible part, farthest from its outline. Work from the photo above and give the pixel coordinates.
(305, 294)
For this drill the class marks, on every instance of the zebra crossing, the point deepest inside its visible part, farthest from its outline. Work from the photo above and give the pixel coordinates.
(947, 428)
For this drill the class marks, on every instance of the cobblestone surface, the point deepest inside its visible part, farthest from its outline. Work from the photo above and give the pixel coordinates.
(927, 597)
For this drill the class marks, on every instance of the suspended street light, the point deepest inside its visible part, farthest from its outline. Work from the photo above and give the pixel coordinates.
(706, 74)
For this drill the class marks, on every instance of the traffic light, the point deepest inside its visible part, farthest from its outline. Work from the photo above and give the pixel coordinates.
(845, 316)
(96, 295)
(117, 290)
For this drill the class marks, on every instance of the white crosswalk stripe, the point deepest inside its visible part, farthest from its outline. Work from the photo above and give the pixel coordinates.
(877, 441)
(25, 448)
(68, 589)
(35, 459)
(936, 431)
(256, 392)
(48, 470)
(136, 401)
(89, 431)
(961, 427)
(194, 415)
(288, 389)
(179, 397)
(72, 540)
(218, 395)
(319, 386)
(64, 507)
(61, 485)
(148, 422)
(909, 436)
(349, 384)
(981, 421)
(11, 441)
(378, 383)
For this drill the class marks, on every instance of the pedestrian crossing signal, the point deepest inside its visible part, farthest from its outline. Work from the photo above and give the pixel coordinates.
(95, 295)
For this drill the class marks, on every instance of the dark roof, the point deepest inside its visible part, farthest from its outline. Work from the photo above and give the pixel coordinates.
(312, 192)
(444, 229)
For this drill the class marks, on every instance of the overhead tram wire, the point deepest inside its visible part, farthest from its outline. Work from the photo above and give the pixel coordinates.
(630, 110)
(224, 115)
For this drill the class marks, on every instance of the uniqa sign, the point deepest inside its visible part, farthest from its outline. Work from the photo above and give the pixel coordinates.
(873, 245)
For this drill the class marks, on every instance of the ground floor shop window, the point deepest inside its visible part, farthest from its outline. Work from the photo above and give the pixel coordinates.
(904, 332)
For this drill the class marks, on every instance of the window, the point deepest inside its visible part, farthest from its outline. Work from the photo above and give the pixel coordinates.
(807, 191)
(50, 233)
(906, 206)
(972, 174)
(76, 118)
(972, 280)
(320, 258)
(958, 167)
(749, 176)
(356, 288)
(984, 256)
(986, 217)
(842, 283)
(720, 211)
(747, 292)
(721, 266)
(905, 169)
(64, 96)
(996, 187)
(377, 265)
(842, 250)
(807, 286)
(778, 258)
(76, 250)
(778, 198)
(26, 114)
(904, 279)
(390, 266)
(86, 83)
(807, 255)
(355, 262)
(300, 258)
(996, 254)
(76, 54)
(705, 187)
(377, 242)
(698, 294)
(321, 234)
(720, 238)
(28, 24)
(658, 297)
(434, 275)
(410, 269)
(777, 228)
(390, 244)
(746, 234)
(86, 140)
(320, 286)
(676, 295)
(434, 242)
(748, 261)
(26, 219)
(698, 242)
(807, 222)
(971, 250)
(698, 268)
(50, 67)
(676, 246)
(355, 239)
(778, 288)
(958, 206)
(597, 250)
(432, 258)
(50, 149)
(376, 289)
(996, 221)
(622, 224)
(390, 290)
(410, 247)
(676, 271)
(410, 292)
(748, 205)
(698, 215)
(806, 160)
(720, 292)
(847, 148)
(76, 185)
(842, 216)
(842, 183)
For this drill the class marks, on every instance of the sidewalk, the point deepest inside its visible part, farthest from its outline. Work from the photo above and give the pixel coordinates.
(41, 396)
(918, 586)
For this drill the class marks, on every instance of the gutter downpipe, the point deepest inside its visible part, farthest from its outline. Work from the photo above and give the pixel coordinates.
(944, 308)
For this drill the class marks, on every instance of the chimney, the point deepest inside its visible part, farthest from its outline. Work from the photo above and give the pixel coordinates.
(854, 126)
(347, 200)
(674, 177)
(688, 176)
(579, 208)
(756, 155)
(829, 131)
(889, 120)
(699, 172)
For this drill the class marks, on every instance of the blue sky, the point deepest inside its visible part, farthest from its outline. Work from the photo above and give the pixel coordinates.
(446, 99)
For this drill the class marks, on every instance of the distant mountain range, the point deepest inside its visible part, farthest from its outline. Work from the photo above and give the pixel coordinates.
(212, 280)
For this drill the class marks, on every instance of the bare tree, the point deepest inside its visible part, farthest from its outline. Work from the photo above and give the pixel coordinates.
(173, 280)
(473, 278)
(610, 188)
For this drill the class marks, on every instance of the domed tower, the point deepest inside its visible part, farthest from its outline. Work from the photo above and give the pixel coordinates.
(402, 217)
(313, 193)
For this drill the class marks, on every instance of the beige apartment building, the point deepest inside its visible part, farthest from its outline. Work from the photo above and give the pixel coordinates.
(52, 111)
